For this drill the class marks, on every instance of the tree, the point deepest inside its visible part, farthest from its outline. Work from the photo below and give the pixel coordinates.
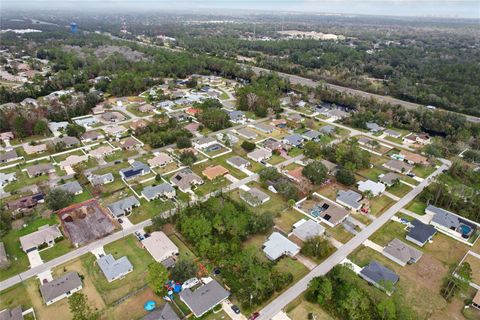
(58, 199)
(316, 172)
(78, 304)
(20, 127)
(317, 247)
(312, 149)
(214, 119)
(74, 130)
(345, 176)
(188, 158)
(457, 281)
(248, 146)
(184, 142)
(157, 277)
(40, 128)
(183, 270)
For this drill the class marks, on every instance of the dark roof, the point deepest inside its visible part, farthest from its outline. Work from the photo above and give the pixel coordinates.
(420, 231)
(205, 297)
(60, 286)
(11, 314)
(379, 273)
(166, 312)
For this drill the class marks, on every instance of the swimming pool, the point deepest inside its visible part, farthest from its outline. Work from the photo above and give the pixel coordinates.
(465, 230)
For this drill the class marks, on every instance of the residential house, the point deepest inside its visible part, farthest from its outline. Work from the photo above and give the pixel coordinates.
(294, 140)
(389, 179)
(68, 141)
(392, 133)
(401, 253)
(311, 135)
(34, 149)
(60, 288)
(305, 229)
(329, 213)
(6, 178)
(295, 117)
(238, 162)
(145, 108)
(237, 117)
(192, 127)
(272, 145)
(130, 143)
(376, 188)
(420, 233)
(254, 197)
(160, 160)
(165, 312)
(248, 134)
(260, 155)
(123, 207)
(6, 136)
(86, 122)
(114, 269)
(265, 128)
(137, 169)
(296, 175)
(420, 138)
(57, 127)
(138, 124)
(25, 204)
(72, 187)
(100, 180)
(380, 276)
(101, 152)
(328, 129)
(40, 169)
(476, 300)
(204, 298)
(413, 158)
(45, 235)
(193, 111)
(451, 224)
(8, 156)
(336, 114)
(167, 104)
(279, 123)
(115, 131)
(349, 199)
(185, 179)
(72, 160)
(160, 246)
(398, 166)
(90, 136)
(204, 142)
(331, 167)
(277, 246)
(98, 109)
(162, 190)
(373, 127)
(214, 172)
(112, 116)
(12, 314)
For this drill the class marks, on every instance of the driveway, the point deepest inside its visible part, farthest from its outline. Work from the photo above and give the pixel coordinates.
(226, 305)
(34, 258)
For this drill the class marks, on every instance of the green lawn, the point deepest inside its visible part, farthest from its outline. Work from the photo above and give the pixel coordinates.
(295, 152)
(300, 309)
(296, 268)
(339, 233)
(24, 180)
(371, 173)
(59, 249)
(423, 171)
(388, 232)
(275, 205)
(184, 251)
(148, 210)
(399, 189)
(15, 296)
(287, 218)
(379, 204)
(417, 207)
(276, 159)
(211, 186)
(140, 259)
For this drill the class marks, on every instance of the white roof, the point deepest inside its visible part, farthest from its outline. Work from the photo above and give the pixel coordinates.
(277, 245)
(159, 245)
(375, 187)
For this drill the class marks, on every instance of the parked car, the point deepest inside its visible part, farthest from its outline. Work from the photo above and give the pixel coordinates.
(411, 175)
(235, 309)
(120, 221)
(139, 235)
(254, 316)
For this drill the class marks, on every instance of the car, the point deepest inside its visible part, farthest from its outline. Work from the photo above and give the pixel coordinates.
(254, 316)
(404, 221)
(411, 175)
(139, 236)
(117, 161)
(235, 309)
(120, 221)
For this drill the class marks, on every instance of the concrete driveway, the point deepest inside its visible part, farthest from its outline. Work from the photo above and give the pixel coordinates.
(227, 307)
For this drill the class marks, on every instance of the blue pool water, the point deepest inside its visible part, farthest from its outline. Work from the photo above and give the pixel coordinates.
(464, 229)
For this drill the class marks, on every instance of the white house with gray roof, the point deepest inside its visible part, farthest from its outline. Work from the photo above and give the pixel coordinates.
(44, 235)
(311, 135)
(238, 162)
(72, 187)
(246, 133)
(376, 188)
(237, 117)
(204, 298)
(254, 197)
(260, 155)
(401, 253)
(60, 288)
(305, 229)
(294, 140)
(99, 180)
(265, 128)
(349, 199)
(398, 166)
(123, 207)
(277, 246)
(452, 225)
(114, 269)
(162, 190)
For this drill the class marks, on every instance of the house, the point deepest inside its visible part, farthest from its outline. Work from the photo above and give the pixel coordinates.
(373, 127)
(86, 122)
(265, 128)
(114, 269)
(160, 160)
(25, 204)
(349, 199)
(214, 172)
(112, 116)
(279, 123)
(45, 235)
(237, 117)
(6, 136)
(380, 276)
(72, 160)
(294, 140)
(331, 167)
(254, 197)
(227, 137)
(376, 188)
(398, 166)
(451, 224)
(60, 288)
(100, 180)
(130, 144)
(260, 155)
(192, 111)
(277, 245)
(336, 114)
(192, 127)
(98, 109)
(12, 314)
(476, 300)
(160, 246)
(137, 169)
(68, 141)
(272, 145)
(72, 187)
(34, 149)
(138, 124)
(420, 233)
(114, 130)
(167, 104)
(162, 190)
(204, 298)
(413, 158)
(248, 134)
(101, 152)
(392, 133)
(57, 127)
(6, 178)
(204, 142)
(185, 179)
(8, 156)
(311, 135)
(145, 108)
(328, 129)
(165, 312)
(401, 253)
(295, 117)
(238, 162)
(413, 138)
(363, 141)
(389, 179)
(90, 136)
(305, 229)
(40, 169)
(123, 207)
(329, 213)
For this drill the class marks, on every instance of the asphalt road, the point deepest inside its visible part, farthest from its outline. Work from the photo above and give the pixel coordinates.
(298, 288)
(387, 99)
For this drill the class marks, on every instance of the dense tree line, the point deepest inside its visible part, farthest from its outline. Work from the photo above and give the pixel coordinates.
(270, 176)
(212, 116)
(159, 135)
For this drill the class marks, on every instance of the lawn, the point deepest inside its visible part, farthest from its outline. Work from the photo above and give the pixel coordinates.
(148, 210)
(388, 232)
(184, 251)
(117, 155)
(140, 259)
(475, 265)
(399, 189)
(211, 186)
(423, 171)
(300, 308)
(15, 296)
(379, 204)
(417, 207)
(276, 159)
(60, 248)
(18, 259)
(275, 205)
(295, 152)
(296, 268)
(371, 173)
(233, 171)
(24, 180)
(339, 233)
(330, 190)
(287, 218)
(132, 308)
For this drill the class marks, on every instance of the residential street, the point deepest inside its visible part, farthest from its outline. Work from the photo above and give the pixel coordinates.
(294, 291)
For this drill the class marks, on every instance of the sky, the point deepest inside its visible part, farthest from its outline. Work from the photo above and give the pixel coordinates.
(422, 8)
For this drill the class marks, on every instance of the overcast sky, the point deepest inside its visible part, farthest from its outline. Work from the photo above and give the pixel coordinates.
(439, 8)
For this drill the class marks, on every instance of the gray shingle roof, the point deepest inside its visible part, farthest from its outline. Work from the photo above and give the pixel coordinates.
(72, 187)
(204, 298)
(402, 251)
(165, 312)
(349, 197)
(444, 217)
(153, 191)
(119, 208)
(308, 229)
(312, 134)
(238, 161)
(101, 179)
(420, 231)
(112, 269)
(379, 274)
(60, 286)
(277, 245)
(294, 139)
(11, 314)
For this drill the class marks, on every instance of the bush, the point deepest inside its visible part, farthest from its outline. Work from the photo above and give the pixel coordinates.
(248, 146)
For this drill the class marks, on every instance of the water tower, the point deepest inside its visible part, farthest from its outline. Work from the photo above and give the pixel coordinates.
(73, 27)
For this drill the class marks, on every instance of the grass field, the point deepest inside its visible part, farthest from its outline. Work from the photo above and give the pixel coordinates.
(399, 189)
(300, 308)
(417, 207)
(60, 248)
(379, 204)
(371, 173)
(287, 218)
(339, 233)
(388, 232)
